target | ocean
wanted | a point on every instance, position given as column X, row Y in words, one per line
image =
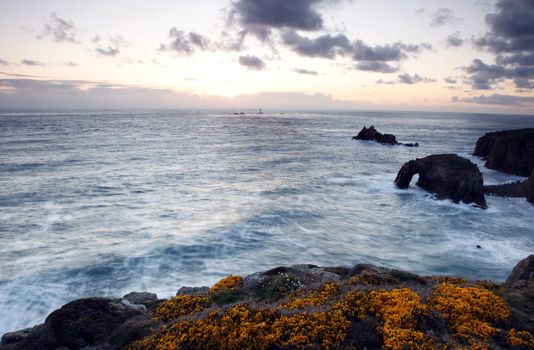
column 105, row 203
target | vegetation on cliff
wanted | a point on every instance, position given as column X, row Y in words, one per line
column 372, row 309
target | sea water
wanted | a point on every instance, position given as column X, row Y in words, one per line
column 105, row 203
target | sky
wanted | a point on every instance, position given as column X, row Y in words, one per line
column 454, row 55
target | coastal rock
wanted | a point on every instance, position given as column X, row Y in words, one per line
column 371, row 134
column 88, row 322
column 509, row 151
column 522, row 275
column 515, row 189
column 529, row 188
column 141, row 298
column 197, row 291
column 446, row 175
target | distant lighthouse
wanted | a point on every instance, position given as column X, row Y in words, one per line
column 260, row 112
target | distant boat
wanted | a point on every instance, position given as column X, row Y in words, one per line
column 260, row 112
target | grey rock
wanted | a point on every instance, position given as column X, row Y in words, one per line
column 522, row 275
column 141, row 298
column 199, row 291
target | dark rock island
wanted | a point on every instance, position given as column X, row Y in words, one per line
column 510, row 151
column 371, row 134
column 446, row 175
column 302, row 307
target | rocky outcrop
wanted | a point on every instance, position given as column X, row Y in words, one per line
column 529, row 188
column 448, row 176
column 517, row 189
column 509, row 151
column 371, row 134
column 300, row 306
column 89, row 322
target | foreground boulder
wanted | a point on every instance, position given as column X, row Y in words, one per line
column 89, row 322
column 522, row 275
column 446, row 175
column 509, row 151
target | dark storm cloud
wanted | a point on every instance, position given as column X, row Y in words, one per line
column 370, row 58
column 59, row 29
column 414, row 79
column 384, row 53
column 375, row 66
column 497, row 99
column 28, row 62
column 454, row 40
column 185, row 43
column 296, row 14
column 325, row 46
column 251, row 62
column 305, row 71
column 484, row 76
column 511, row 38
column 113, row 48
column 443, row 16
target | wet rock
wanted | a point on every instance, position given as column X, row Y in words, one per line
column 509, row 151
column 513, row 189
column 448, row 176
column 522, row 275
column 411, row 144
column 371, row 134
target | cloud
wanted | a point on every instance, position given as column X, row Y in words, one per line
column 70, row 64
column 3, row 63
column 263, row 15
column 305, row 71
column 185, row 43
column 251, row 62
column 454, row 40
column 28, row 62
column 375, row 66
column 497, row 99
column 370, row 58
column 414, row 79
column 116, row 43
column 511, row 39
column 59, row 29
column 20, row 75
column 325, row 46
column 385, row 82
column 80, row 94
column 450, row 80
column 443, row 16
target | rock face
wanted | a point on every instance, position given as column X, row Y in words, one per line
column 522, row 275
column 514, row 189
column 90, row 322
column 529, row 188
column 510, row 151
column 371, row 134
column 448, row 176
